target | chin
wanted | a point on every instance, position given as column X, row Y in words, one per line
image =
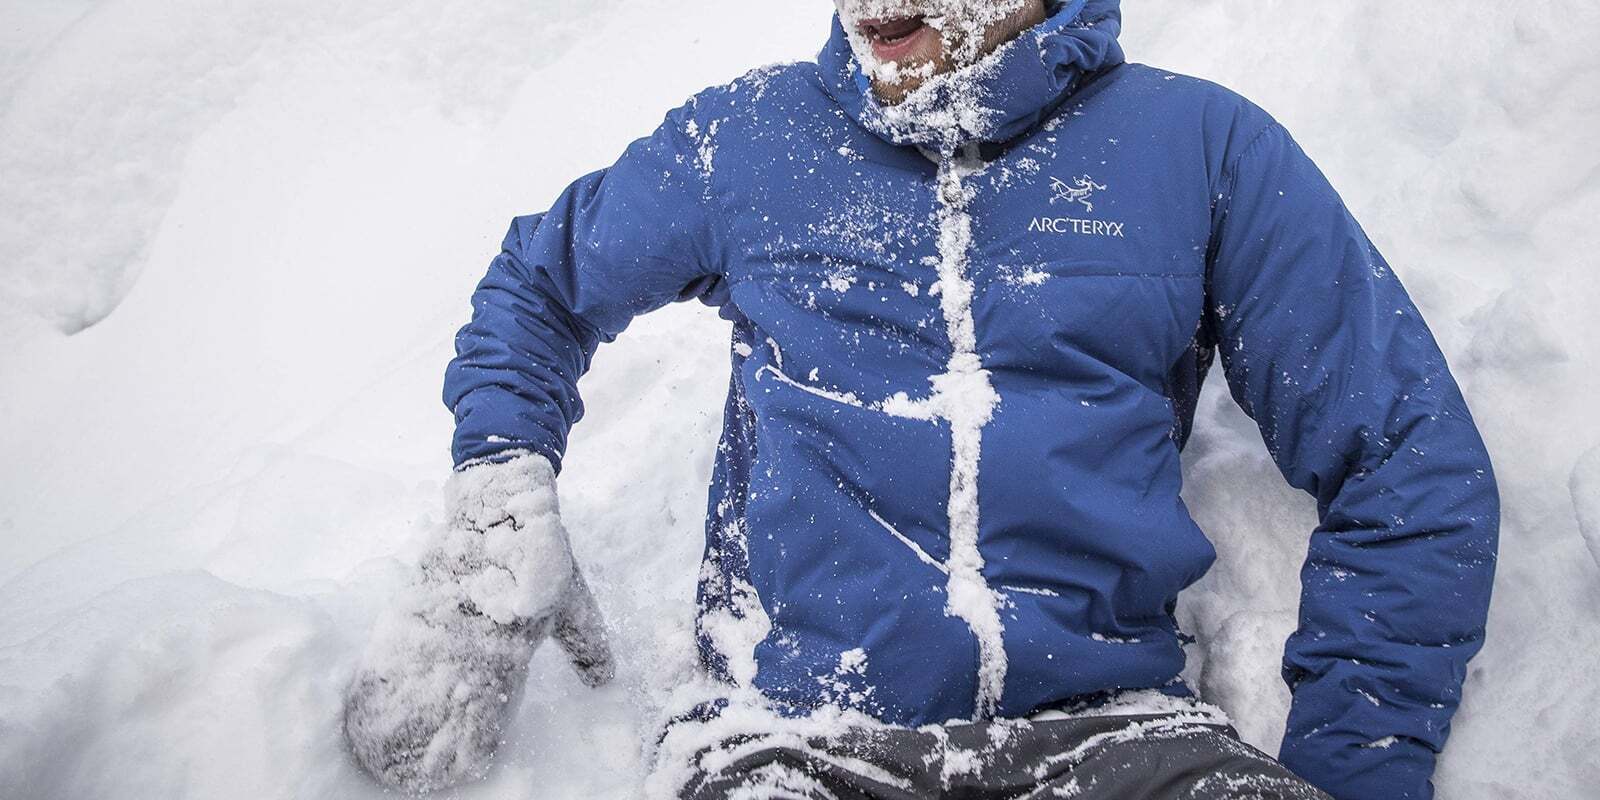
column 906, row 77
column 891, row 94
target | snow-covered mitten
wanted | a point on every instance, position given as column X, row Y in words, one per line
column 448, row 662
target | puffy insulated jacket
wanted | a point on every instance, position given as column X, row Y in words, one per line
column 966, row 352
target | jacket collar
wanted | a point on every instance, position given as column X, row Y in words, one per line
column 996, row 100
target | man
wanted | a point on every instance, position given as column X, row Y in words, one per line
column 977, row 267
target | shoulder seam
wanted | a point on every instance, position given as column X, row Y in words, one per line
column 1223, row 194
column 716, row 213
column 1223, row 191
column 1225, row 182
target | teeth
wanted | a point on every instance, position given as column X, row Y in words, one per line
column 894, row 31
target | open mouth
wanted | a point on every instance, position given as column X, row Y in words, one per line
column 893, row 39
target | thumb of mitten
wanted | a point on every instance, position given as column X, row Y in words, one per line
column 580, row 631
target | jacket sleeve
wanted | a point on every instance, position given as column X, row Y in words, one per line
column 616, row 244
column 1324, row 349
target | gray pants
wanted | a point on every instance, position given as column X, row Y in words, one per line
column 1142, row 757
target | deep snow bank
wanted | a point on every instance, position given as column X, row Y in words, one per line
column 205, row 498
column 104, row 99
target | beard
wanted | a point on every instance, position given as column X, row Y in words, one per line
column 966, row 31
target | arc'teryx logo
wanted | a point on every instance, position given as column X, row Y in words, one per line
column 1081, row 191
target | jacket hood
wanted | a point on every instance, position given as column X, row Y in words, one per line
column 995, row 100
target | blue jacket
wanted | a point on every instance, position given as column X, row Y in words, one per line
column 1127, row 226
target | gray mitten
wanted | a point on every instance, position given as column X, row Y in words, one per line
column 448, row 663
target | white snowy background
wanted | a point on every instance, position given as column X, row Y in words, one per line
column 236, row 239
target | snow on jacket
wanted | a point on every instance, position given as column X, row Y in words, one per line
column 966, row 353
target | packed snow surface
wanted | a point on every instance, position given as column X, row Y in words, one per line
column 263, row 219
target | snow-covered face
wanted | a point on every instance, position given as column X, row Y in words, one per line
column 903, row 43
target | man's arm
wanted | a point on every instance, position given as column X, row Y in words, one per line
column 616, row 244
column 1324, row 349
column 427, row 706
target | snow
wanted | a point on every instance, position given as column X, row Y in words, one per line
column 1142, row 702
column 276, row 210
column 964, row 397
column 1586, row 499
column 429, row 702
column 735, row 632
column 916, row 549
column 753, row 729
column 961, row 22
column 506, row 539
column 1174, row 725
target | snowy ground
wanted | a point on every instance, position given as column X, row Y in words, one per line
column 274, row 211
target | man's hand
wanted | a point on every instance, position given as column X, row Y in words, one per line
column 426, row 708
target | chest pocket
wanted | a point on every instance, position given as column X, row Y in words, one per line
column 1068, row 318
